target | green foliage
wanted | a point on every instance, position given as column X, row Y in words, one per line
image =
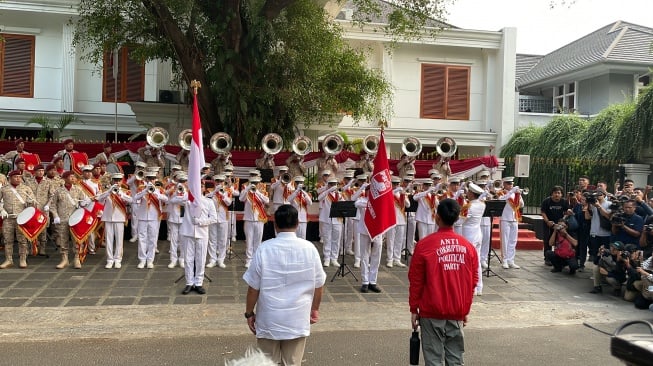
column 48, row 126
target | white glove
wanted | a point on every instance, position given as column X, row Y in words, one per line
column 461, row 191
column 4, row 214
column 365, row 185
column 300, row 186
column 46, row 208
column 56, row 220
column 85, row 202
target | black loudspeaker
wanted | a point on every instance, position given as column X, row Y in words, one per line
column 165, row 96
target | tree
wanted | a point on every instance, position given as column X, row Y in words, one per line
column 265, row 65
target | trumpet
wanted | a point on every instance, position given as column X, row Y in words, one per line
column 151, row 188
column 497, row 184
column 181, row 189
column 115, row 189
column 252, row 187
column 285, row 178
column 140, row 174
column 524, row 191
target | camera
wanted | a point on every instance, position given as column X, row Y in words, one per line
column 590, row 197
column 625, row 254
column 648, row 227
column 557, row 227
column 617, row 219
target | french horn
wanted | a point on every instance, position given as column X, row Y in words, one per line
column 333, row 144
column 157, row 137
column 221, row 143
column 446, row 147
column 186, row 139
column 272, row 143
column 302, row 145
column 371, row 144
column 411, row 146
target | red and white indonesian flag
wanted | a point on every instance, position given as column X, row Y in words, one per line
column 380, row 213
column 195, row 163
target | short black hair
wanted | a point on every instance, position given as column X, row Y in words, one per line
column 448, row 210
column 557, row 189
column 286, row 217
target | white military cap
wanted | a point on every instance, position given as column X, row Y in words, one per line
column 408, row 178
column 207, row 165
column 410, row 172
column 87, row 168
column 282, row 168
column 182, row 176
column 474, row 188
column 396, row 179
column 425, row 181
column 255, row 179
column 326, row 172
column 508, row 179
column 333, row 180
column 433, row 171
column 436, row 175
column 175, row 167
column 117, row 176
column 153, row 169
column 141, row 164
column 229, row 168
column 299, row 178
column 361, row 177
column 481, row 182
column 454, row 180
column 483, row 173
column 219, row 177
column 254, row 172
column 349, row 174
column 228, row 174
column 150, row 174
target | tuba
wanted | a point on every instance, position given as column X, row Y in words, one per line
column 272, row 143
column 333, row 144
column 186, row 139
column 446, row 147
column 371, row 144
column 411, row 146
column 157, row 137
column 302, row 145
column 221, row 143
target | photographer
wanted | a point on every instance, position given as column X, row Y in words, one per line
column 563, row 251
column 642, row 208
column 646, row 239
column 627, row 226
column 600, row 226
column 582, row 233
column 611, row 268
column 553, row 209
column 632, row 262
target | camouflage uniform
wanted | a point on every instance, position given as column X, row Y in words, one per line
column 63, row 204
column 11, row 204
column 42, row 191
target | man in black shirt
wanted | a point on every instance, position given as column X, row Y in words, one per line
column 553, row 209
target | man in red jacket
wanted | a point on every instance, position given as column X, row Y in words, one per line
column 443, row 274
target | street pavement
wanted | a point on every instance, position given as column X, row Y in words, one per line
column 526, row 315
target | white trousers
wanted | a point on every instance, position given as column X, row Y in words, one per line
column 508, row 240
column 370, row 259
column 425, row 229
column 253, row 237
column 485, row 243
column 479, row 285
column 195, row 260
column 357, row 239
column 177, row 247
column 232, row 219
column 134, row 221
column 114, row 232
column 148, row 235
column 218, row 235
column 395, row 241
column 332, row 233
column 301, row 230
column 349, row 233
column 411, row 227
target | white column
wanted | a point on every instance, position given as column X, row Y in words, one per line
column 638, row 173
column 68, row 69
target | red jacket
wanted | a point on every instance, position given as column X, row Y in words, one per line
column 443, row 274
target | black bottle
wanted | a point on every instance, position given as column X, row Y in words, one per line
column 414, row 348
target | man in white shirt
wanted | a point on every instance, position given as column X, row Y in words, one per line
column 149, row 208
column 472, row 214
column 114, row 216
column 509, row 223
column 300, row 200
column 177, row 197
column 254, row 216
column 219, row 232
column 396, row 236
column 196, row 236
column 285, row 285
column 427, row 202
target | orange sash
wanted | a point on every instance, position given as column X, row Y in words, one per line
column 87, row 189
column 514, row 203
column 430, row 198
column 154, row 200
column 400, row 202
column 257, row 206
column 118, row 204
column 464, row 211
column 301, row 200
column 221, row 202
column 333, row 198
column 286, row 192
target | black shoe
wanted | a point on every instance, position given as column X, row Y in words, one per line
column 548, row 263
column 597, row 290
column 572, row 271
column 187, row 289
column 374, row 288
column 554, row 269
column 364, row 289
column 200, row 290
column 581, row 269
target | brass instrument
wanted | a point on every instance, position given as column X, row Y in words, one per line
column 181, row 189
column 272, row 143
column 302, row 145
column 497, row 184
column 186, row 139
column 157, row 137
column 525, row 191
column 285, row 178
column 221, row 143
column 446, row 147
column 333, row 144
column 371, row 144
column 411, row 146
column 139, row 174
column 115, row 189
column 151, row 188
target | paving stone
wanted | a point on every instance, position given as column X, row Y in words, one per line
column 82, row 301
column 119, row 301
column 47, row 302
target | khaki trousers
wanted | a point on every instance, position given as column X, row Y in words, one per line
column 288, row 352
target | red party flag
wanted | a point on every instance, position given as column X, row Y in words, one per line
column 380, row 213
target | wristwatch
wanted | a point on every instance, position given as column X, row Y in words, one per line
column 249, row 315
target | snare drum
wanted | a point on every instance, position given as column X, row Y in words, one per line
column 75, row 161
column 31, row 222
column 31, row 161
column 82, row 222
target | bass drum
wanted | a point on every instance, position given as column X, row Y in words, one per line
column 75, row 161
column 82, row 222
column 31, row 222
column 31, row 161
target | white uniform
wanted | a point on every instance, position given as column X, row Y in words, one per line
column 425, row 214
column 219, row 231
column 509, row 226
column 370, row 249
column 471, row 230
column 148, row 210
column 254, row 218
column 396, row 236
column 280, row 194
column 176, row 211
column 300, row 199
column 331, row 226
column 114, row 217
column 196, row 233
column 91, row 189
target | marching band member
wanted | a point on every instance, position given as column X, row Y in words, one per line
column 406, row 164
column 176, row 208
column 149, row 201
column 281, row 189
column 69, row 147
column 370, row 249
column 454, row 191
column 232, row 185
column 472, row 214
column 219, row 231
column 411, row 225
column 396, row 236
column 300, row 199
column 52, row 176
column 104, row 177
column 331, row 226
column 196, row 236
column 359, row 190
column 486, row 225
column 365, row 163
column 58, row 163
column 221, row 162
column 66, row 199
column 182, row 158
column 254, row 215
column 91, row 189
column 427, row 203
column 134, row 184
column 509, row 221
column 20, row 166
column 295, row 163
column 321, row 186
column 114, row 216
column 14, row 198
column 152, row 156
column 11, row 156
column 348, row 191
column 327, row 163
column 105, row 155
column 43, row 188
column 205, row 172
column 265, row 161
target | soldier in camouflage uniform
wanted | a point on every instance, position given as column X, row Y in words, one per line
column 14, row 198
column 64, row 201
column 43, row 189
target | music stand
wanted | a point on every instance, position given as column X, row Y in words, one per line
column 232, row 216
column 493, row 208
column 409, row 210
column 343, row 209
